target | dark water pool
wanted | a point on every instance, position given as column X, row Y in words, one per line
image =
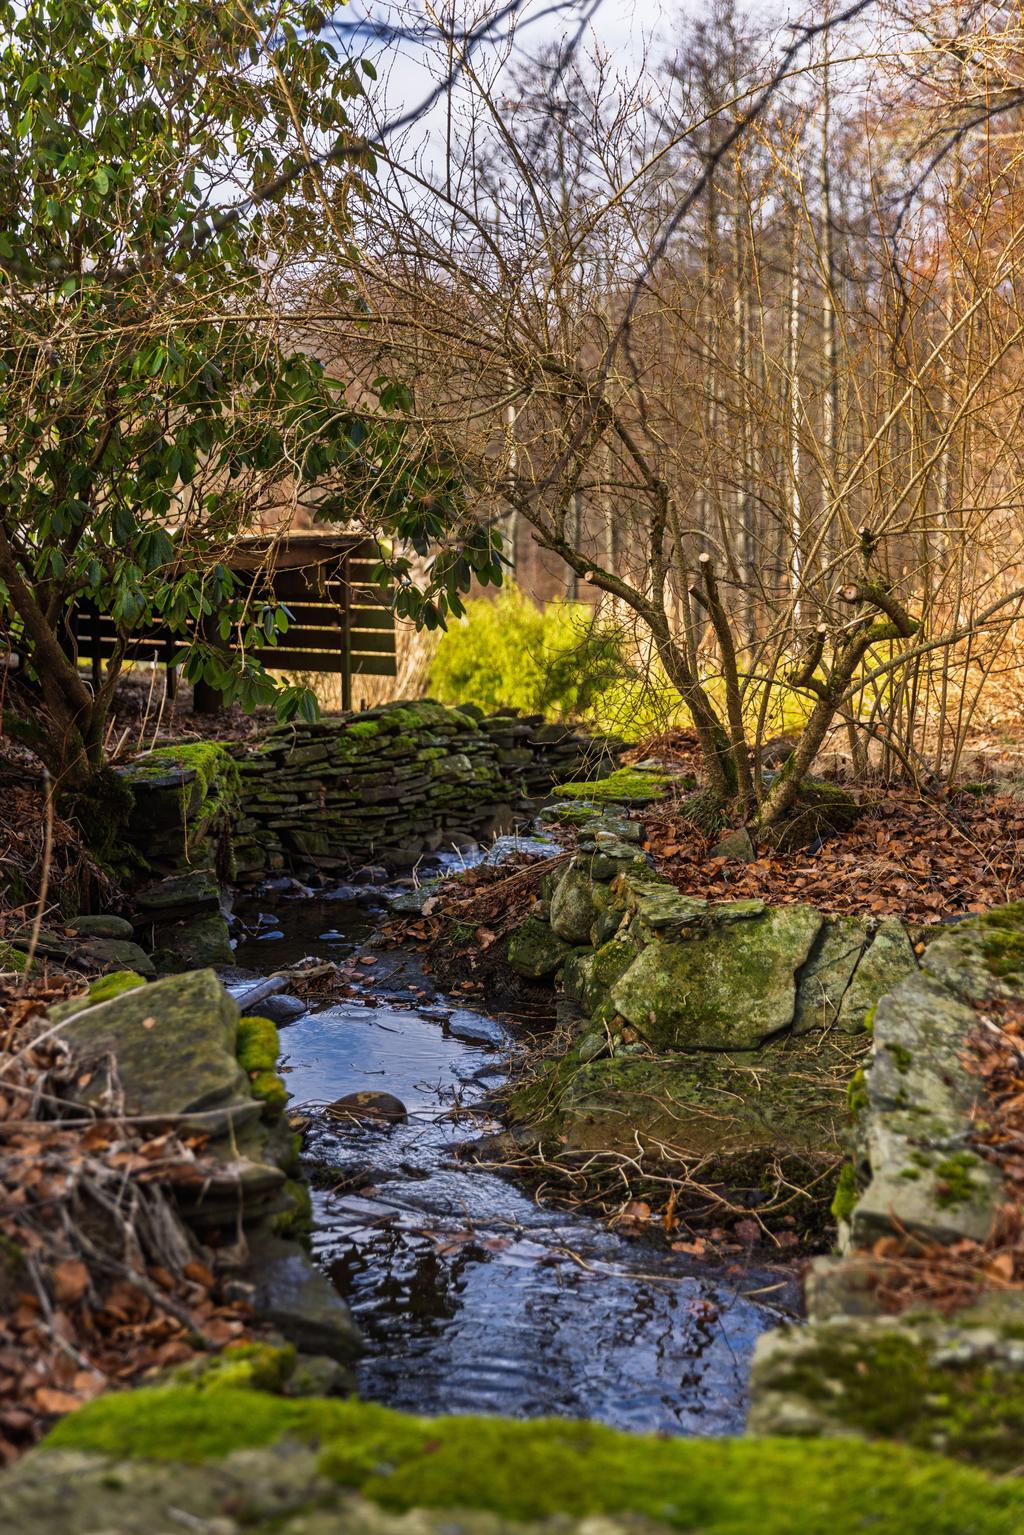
column 472, row 1296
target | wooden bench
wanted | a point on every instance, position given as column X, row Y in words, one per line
column 339, row 622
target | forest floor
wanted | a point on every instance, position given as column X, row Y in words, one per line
column 75, row 1320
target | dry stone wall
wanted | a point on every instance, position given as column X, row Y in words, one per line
column 396, row 782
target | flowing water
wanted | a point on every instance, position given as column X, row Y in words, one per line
column 472, row 1296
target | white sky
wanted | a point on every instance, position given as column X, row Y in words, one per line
column 625, row 28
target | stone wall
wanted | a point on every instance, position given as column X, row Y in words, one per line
column 945, row 1372
column 396, row 782
column 388, row 783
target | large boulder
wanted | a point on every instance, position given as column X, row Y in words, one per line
column 729, row 987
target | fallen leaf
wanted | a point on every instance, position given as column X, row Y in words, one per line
column 70, row 1281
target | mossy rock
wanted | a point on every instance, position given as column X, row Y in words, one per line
column 932, row 1386
column 589, row 975
column 849, row 969
column 982, row 958
column 737, row 1117
column 572, row 904
column 731, row 987
column 173, row 1042
column 534, row 951
column 503, row 1470
column 193, row 944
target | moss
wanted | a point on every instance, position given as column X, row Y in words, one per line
column 363, row 730
column 533, row 1470
column 258, row 1048
column 622, row 786
column 245, row 1366
column 258, row 1044
column 215, row 768
column 954, row 1185
column 857, row 1094
column 204, row 778
column 844, row 1200
column 12, row 959
column 103, row 989
column 869, row 1019
column 107, row 986
column 1003, row 940
column 887, row 1385
column 570, row 815
column 902, row 1057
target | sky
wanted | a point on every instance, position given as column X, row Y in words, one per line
column 622, row 27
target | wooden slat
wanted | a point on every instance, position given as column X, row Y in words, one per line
column 363, row 640
column 303, row 636
column 374, row 666
column 324, row 661
column 334, row 639
column 372, row 618
column 326, row 615
column 292, row 586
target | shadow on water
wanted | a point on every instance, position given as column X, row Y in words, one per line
column 472, row 1296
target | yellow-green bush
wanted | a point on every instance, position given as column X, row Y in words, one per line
column 511, row 654
column 564, row 662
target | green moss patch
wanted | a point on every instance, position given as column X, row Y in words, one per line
column 905, row 1385
column 103, row 989
column 258, row 1048
column 626, row 786
column 537, row 1469
column 1003, row 940
column 844, row 1200
column 12, row 959
column 214, row 767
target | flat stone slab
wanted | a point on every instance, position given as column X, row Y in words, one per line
column 179, row 893
column 924, row 1176
column 173, row 1043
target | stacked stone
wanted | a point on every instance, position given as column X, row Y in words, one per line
column 393, row 782
column 542, row 754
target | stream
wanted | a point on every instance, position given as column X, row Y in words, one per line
column 472, row 1296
